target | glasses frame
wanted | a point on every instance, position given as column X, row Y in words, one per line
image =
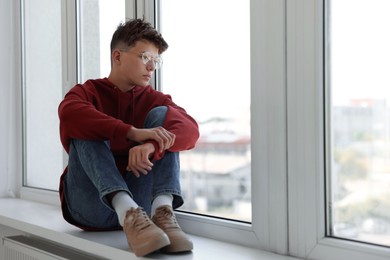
column 147, row 57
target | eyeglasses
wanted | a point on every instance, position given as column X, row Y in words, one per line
column 148, row 57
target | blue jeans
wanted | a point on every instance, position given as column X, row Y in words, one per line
column 92, row 175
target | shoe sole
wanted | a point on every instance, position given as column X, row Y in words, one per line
column 178, row 247
column 151, row 246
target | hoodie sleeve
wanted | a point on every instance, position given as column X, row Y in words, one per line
column 182, row 125
column 80, row 118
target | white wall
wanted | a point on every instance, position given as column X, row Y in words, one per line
column 10, row 99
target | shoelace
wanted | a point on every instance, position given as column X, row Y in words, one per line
column 141, row 221
column 166, row 218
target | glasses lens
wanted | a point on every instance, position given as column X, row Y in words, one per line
column 147, row 57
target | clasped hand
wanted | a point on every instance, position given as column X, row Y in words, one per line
column 140, row 155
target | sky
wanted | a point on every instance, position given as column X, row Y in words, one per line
column 359, row 52
column 207, row 66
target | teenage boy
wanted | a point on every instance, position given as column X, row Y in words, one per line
column 123, row 139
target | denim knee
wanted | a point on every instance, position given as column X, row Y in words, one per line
column 156, row 117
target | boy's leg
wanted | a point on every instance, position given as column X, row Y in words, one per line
column 164, row 182
column 164, row 178
column 92, row 175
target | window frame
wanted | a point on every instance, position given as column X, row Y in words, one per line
column 306, row 75
column 69, row 72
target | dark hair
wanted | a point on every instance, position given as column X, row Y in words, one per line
column 128, row 33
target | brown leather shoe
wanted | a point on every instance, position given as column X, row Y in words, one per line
column 166, row 220
column 143, row 236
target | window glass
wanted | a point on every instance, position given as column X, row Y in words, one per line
column 42, row 92
column 359, row 63
column 97, row 21
column 206, row 70
column 42, row 76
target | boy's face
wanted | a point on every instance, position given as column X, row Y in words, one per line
column 131, row 65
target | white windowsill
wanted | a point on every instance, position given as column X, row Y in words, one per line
column 46, row 221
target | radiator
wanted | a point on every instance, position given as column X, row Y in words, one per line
column 33, row 248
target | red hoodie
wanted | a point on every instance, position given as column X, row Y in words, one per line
column 98, row 110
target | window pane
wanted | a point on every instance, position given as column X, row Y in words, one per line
column 207, row 71
column 360, row 119
column 97, row 21
column 42, row 92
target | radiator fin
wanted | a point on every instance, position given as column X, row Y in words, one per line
column 33, row 248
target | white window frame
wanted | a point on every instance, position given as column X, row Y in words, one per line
column 69, row 75
column 306, row 145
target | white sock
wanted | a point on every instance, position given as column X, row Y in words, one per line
column 122, row 202
column 161, row 200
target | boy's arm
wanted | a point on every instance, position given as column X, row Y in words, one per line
column 183, row 126
column 80, row 119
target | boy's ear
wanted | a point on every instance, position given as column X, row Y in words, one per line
column 116, row 55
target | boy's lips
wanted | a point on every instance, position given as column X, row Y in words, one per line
column 148, row 77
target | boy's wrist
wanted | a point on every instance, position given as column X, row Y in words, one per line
column 131, row 133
